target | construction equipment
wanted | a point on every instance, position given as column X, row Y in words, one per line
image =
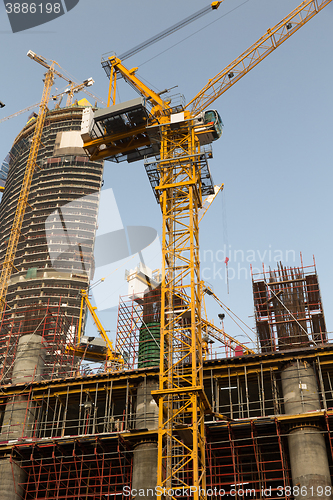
column 152, row 127
column 172, row 29
column 8, row 262
column 94, row 348
column 219, row 334
column 206, row 203
column 73, row 89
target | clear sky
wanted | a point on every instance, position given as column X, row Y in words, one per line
column 275, row 155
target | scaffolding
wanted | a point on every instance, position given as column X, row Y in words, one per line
column 68, row 421
column 82, row 442
column 138, row 328
column 128, row 330
column 138, row 331
column 55, row 329
column 288, row 308
column 81, row 469
column 244, row 461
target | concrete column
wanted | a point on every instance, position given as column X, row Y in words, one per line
column 19, row 415
column 307, row 449
column 146, row 407
column 29, row 360
column 28, row 366
column 10, row 476
column 144, row 475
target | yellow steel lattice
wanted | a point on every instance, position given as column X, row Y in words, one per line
column 181, row 447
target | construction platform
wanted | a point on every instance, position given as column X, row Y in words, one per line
column 84, row 429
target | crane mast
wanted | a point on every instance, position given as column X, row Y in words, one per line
column 181, row 398
column 179, row 176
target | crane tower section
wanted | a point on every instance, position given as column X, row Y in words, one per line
column 182, row 401
column 179, row 174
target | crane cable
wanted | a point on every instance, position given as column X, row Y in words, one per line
column 192, row 34
column 229, row 312
column 169, row 31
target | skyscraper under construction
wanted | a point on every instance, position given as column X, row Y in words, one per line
column 55, row 253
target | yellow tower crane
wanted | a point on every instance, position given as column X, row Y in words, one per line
column 180, row 176
column 95, row 349
column 73, row 89
column 8, row 263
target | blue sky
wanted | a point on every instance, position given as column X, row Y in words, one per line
column 275, row 154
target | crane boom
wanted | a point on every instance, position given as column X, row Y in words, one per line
column 73, row 89
column 20, row 112
column 222, row 337
column 111, row 71
column 255, row 54
column 114, row 360
column 115, row 66
column 43, row 62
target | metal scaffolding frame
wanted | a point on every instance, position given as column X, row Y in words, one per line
column 53, row 326
column 249, row 456
column 82, row 469
column 288, row 308
column 72, row 426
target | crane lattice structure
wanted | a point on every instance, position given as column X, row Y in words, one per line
column 179, row 177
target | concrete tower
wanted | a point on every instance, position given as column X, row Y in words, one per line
column 54, row 257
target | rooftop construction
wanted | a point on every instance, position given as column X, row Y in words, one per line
column 174, row 406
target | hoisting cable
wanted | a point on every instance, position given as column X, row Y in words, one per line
column 170, row 30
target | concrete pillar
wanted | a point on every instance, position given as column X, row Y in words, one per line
column 307, row 449
column 146, row 408
column 19, row 415
column 29, row 360
column 144, row 475
column 10, row 477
